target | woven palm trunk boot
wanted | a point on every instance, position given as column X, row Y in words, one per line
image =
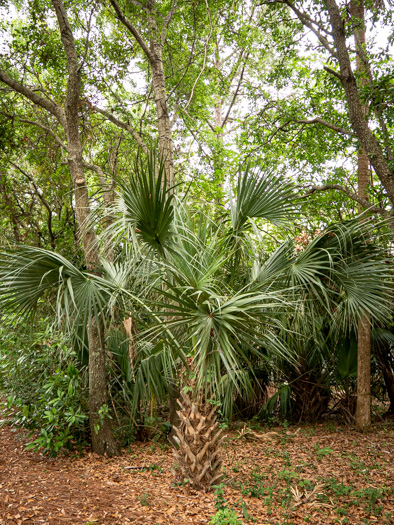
column 197, row 458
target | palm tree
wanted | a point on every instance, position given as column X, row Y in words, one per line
column 225, row 313
column 210, row 303
column 330, row 277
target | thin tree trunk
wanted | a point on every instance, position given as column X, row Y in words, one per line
column 102, row 441
column 162, row 109
column 128, row 325
column 218, row 163
column 154, row 53
column 388, row 377
column 11, row 209
column 363, row 407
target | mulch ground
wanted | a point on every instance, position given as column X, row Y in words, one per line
column 321, row 474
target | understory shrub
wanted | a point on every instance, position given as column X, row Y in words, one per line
column 45, row 386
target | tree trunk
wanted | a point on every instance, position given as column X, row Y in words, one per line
column 364, row 134
column 385, row 360
column 363, row 407
column 154, row 53
column 103, row 441
column 102, row 438
column 162, row 109
column 388, row 377
column 69, row 120
column 198, row 460
column 11, row 208
column 218, row 164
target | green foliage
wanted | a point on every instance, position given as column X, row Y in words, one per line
column 224, row 514
column 46, row 387
column 235, row 312
column 102, row 413
column 281, row 398
column 261, row 195
column 220, row 500
column 147, row 202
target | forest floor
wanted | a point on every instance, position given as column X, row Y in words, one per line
column 318, row 474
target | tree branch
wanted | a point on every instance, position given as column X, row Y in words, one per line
column 85, row 54
column 205, row 56
column 39, row 125
column 364, row 202
column 308, row 22
column 126, row 22
column 364, row 133
column 333, row 72
column 42, row 199
column 44, row 103
column 235, row 93
column 167, row 21
column 120, row 124
column 324, row 123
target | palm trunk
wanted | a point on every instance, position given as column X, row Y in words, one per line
column 198, row 460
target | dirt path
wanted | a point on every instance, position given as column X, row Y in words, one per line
column 270, row 480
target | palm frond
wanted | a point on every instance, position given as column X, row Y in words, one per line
column 261, row 195
column 147, row 204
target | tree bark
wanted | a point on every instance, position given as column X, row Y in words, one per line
column 363, row 407
column 218, row 164
column 103, row 441
column 339, row 51
column 162, row 109
column 154, row 54
column 388, row 376
column 364, row 134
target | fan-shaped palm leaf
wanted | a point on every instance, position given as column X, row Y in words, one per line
column 261, row 195
column 147, row 204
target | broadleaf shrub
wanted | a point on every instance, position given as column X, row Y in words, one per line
column 45, row 385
